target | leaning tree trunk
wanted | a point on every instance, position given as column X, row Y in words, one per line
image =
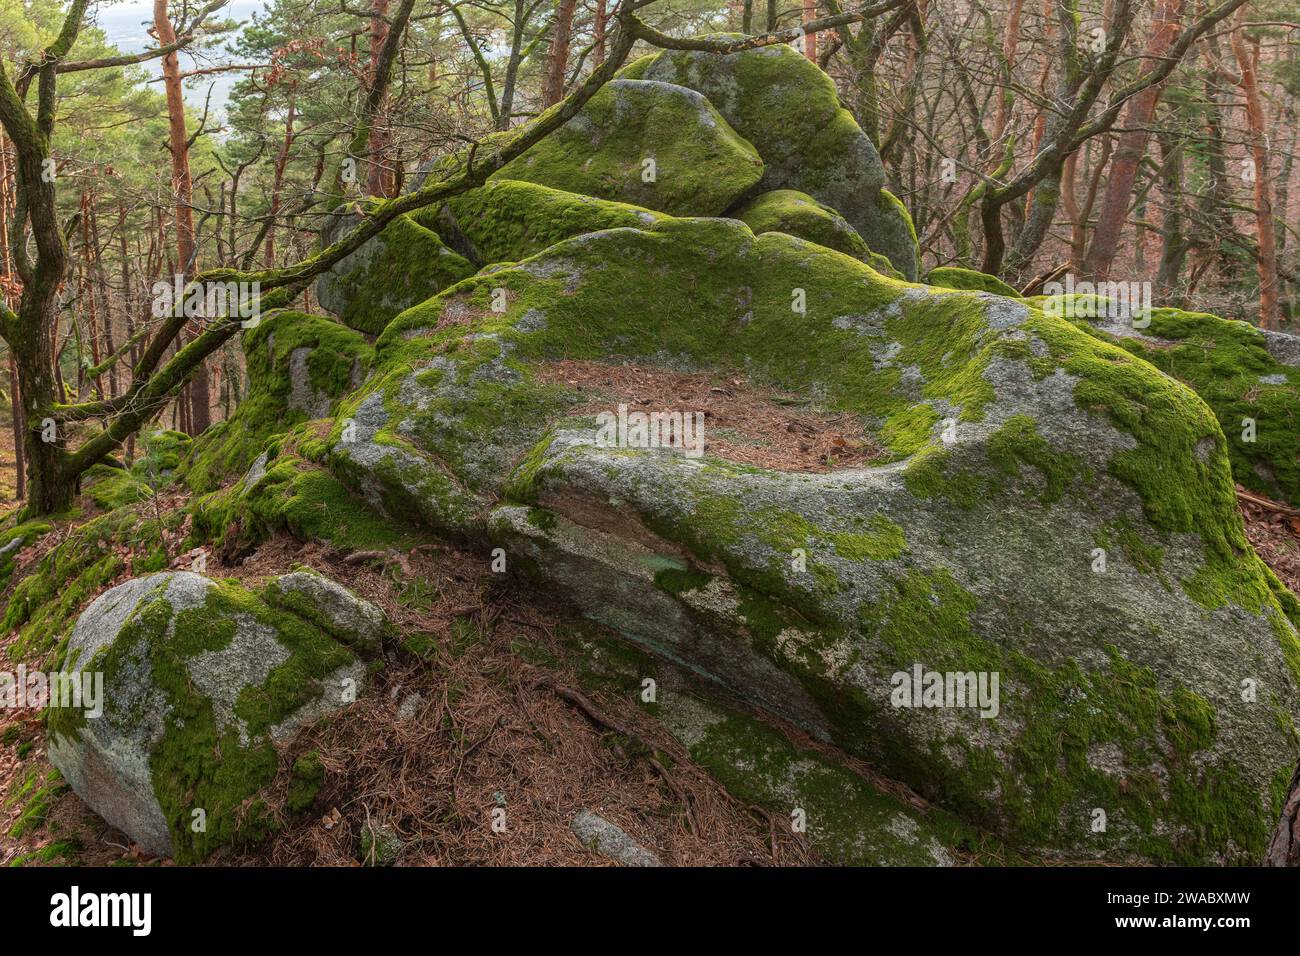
column 1284, row 848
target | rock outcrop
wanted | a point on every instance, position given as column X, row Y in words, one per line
column 404, row 264
column 684, row 134
column 1047, row 508
column 1250, row 378
column 650, row 144
column 1029, row 597
column 298, row 365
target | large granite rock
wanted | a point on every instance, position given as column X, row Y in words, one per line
column 1048, row 509
column 400, row 267
column 1249, row 378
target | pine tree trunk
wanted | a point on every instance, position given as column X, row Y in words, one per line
column 557, row 60
column 1247, row 56
column 183, row 194
column 1132, row 145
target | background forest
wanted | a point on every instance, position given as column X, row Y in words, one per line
column 1006, row 129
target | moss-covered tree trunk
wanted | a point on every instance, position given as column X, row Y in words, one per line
column 51, row 484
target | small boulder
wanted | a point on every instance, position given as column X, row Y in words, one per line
column 201, row 680
column 610, row 841
column 955, row 277
column 798, row 214
column 380, row 846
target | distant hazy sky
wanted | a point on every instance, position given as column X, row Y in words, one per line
column 126, row 23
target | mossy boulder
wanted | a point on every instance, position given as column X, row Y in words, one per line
column 1250, row 378
column 1016, row 450
column 403, row 265
column 651, row 144
column 955, row 277
column 778, row 100
column 507, row 220
column 298, row 365
column 798, row 214
column 202, row 679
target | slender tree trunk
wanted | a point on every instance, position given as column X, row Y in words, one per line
column 1246, row 53
column 15, row 401
column 1132, row 145
column 277, row 185
column 20, row 464
column 557, row 60
column 183, row 192
column 1173, row 244
column 1010, row 44
column 810, row 39
column 598, row 31
column 379, row 179
column 512, row 68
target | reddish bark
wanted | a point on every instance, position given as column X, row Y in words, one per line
column 1132, row 144
column 1246, row 53
column 810, row 39
column 183, row 195
column 598, row 33
column 557, row 59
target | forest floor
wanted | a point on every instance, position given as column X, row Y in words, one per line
column 496, row 707
column 493, row 701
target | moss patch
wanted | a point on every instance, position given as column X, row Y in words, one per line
column 955, row 277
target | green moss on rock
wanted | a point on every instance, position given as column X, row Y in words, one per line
column 403, row 265
column 650, row 144
column 779, row 101
column 215, row 749
column 955, row 277
column 299, row 365
column 506, row 221
column 307, row 777
column 1229, row 366
column 798, row 214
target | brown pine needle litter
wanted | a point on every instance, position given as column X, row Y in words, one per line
column 441, row 738
column 742, row 423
